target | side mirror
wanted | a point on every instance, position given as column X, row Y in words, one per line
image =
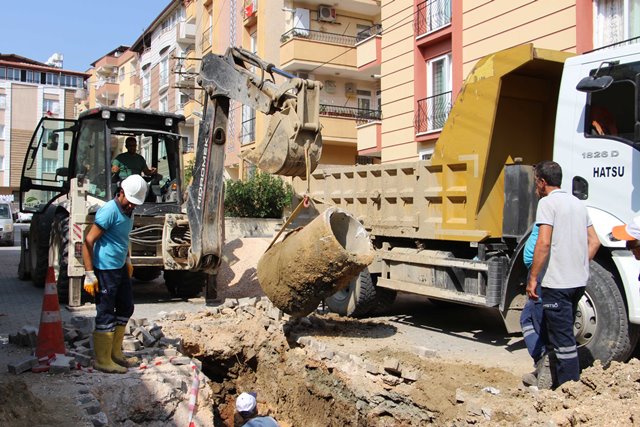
column 594, row 84
column 64, row 172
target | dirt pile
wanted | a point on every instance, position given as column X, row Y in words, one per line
column 304, row 375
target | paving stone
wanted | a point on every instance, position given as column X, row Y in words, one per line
column 130, row 344
column 144, row 336
column 181, row 360
column 170, row 352
column 410, row 374
column 22, row 365
column 92, row 407
column 156, row 331
column 70, row 334
column 82, row 359
column 100, row 420
column 275, row 313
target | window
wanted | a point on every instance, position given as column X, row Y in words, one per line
column 49, row 165
column 146, row 86
column 121, row 100
column 13, row 74
column 163, row 104
column 121, row 74
column 611, row 113
column 52, row 79
column 164, row 72
column 3, row 101
column 248, row 132
column 615, row 21
column 438, row 91
column 364, row 99
column 1, row 163
column 425, row 154
column 3, row 73
column 50, row 106
column 33, row 76
column 1, row 131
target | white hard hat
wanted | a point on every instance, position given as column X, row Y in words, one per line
column 135, row 189
column 246, row 402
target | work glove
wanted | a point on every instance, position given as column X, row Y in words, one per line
column 90, row 283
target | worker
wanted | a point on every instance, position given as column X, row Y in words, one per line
column 603, row 121
column 531, row 319
column 108, row 272
column 129, row 163
column 566, row 243
column 631, row 234
column 247, row 407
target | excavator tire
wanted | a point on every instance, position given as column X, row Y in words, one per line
column 39, row 232
column 146, row 274
column 60, row 238
column 184, row 284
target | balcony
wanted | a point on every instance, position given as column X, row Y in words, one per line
column 191, row 11
column 107, row 66
column 250, row 12
column 339, row 123
column 300, row 46
column 369, row 49
column 188, row 109
column 432, row 113
column 107, row 91
column 370, row 137
column 185, row 33
column 432, row 15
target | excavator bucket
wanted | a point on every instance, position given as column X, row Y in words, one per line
column 292, row 144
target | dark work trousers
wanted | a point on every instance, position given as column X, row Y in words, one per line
column 559, row 308
column 531, row 321
column 114, row 300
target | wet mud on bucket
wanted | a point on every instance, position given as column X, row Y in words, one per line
column 314, row 262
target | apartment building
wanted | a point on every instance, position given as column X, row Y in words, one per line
column 30, row 90
column 428, row 47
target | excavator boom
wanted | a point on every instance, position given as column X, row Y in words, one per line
column 291, row 146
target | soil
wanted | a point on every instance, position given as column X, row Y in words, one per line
column 320, row 370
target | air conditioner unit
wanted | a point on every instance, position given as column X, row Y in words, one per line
column 326, row 13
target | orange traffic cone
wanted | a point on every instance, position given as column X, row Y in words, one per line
column 50, row 336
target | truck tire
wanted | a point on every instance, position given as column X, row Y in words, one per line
column 146, row 274
column 357, row 299
column 39, row 231
column 384, row 300
column 602, row 329
column 184, row 284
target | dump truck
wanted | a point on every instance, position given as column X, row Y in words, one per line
column 179, row 230
column 452, row 228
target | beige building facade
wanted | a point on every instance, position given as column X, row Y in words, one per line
column 30, row 90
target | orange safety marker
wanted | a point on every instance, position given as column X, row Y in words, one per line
column 50, row 335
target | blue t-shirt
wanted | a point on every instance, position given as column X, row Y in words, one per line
column 261, row 422
column 530, row 246
column 111, row 249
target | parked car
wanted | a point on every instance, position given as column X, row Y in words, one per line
column 6, row 224
column 24, row 217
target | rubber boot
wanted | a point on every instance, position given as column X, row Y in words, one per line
column 116, row 350
column 102, row 343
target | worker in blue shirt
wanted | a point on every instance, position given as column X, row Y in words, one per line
column 108, row 273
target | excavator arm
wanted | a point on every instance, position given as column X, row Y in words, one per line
column 291, row 146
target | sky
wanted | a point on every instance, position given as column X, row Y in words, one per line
column 82, row 30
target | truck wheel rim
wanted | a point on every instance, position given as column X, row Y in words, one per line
column 586, row 321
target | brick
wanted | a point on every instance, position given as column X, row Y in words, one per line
column 22, row 365
column 70, row 334
column 170, row 352
column 86, row 343
column 82, row 359
column 144, row 336
column 156, row 332
column 100, row 420
column 248, row 301
column 130, row 344
column 176, row 342
column 92, row 407
column 181, row 360
column 410, row 374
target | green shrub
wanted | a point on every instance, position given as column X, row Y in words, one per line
column 262, row 196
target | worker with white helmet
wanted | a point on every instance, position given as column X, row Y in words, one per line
column 108, row 273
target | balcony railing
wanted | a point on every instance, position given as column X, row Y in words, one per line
column 371, row 31
column 432, row 112
column 321, row 36
column 248, row 132
column 360, row 114
column 432, row 15
column 206, row 39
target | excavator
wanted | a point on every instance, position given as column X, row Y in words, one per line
column 179, row 230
